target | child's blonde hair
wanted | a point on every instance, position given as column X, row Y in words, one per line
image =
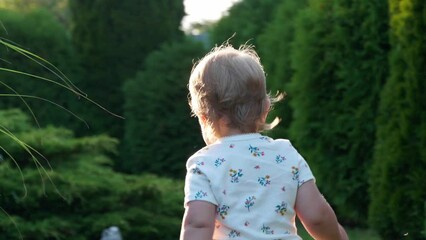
column 231, row 83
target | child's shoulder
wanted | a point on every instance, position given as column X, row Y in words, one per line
column 279, row 141
column 210, row 153
column 203, row 154
column 207, row 150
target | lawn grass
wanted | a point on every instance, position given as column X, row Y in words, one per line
column 354, row 234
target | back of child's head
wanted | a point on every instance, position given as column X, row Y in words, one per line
column 230, row 83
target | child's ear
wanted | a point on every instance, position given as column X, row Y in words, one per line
column 202, row 119
column 224, row 120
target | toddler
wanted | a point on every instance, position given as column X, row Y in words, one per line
column 244, row 185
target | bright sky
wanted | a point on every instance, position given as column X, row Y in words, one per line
column 202, row 10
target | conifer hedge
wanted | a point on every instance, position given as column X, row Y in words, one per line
column 340, row 63
column 245, row 22
column 398, row 191
column 113, row 38
column 275, row 49
column 160, row 134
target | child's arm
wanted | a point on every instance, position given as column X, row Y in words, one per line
column 198, row 221
column 316, row 214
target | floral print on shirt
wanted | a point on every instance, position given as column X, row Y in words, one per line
column 279, row 159
column 219, row 162
column 266, row 139
column 267, row 230
column 200, row 194
column 281, row 208
column 249, row 202
column 295, row 172
column 196, row 170
column 235, row 175
column 225, row 173
column 234, row 234
column 264, row 181
column 222, row 211
column 255, row 151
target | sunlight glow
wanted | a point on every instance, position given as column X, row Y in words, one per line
column 204, row 10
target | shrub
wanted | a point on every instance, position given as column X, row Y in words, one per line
column 340, row 63
column 73, row 193
column 397, row 176
column 160, row 134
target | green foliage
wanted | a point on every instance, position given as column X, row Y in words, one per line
column 353, row 233
column 39, row 30
column 339, row 59
column 397, row 183
column 82, row 195
column 160, row 134
column 275, row 46
column 247, row 20
column 112, row 39
column 14, row 120
column 59, row 8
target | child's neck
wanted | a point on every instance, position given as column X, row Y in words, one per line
column 222, row 130
column 231, row 132
column 225, row 131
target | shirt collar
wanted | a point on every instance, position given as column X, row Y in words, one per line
column 239, row 137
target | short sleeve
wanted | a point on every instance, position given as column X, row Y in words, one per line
column 305, row 173
column 197, row 184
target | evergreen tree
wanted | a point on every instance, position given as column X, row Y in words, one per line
column 72, row 192
column 37, row 31
column 340, row 63
column 246, row 19
column 59, row 8
column 112, row 39
column 398, row 191
column 275, row 46
column 160, row 134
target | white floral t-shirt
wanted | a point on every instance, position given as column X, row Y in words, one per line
column 253, row 181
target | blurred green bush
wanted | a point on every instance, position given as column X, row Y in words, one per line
column 82, row 195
